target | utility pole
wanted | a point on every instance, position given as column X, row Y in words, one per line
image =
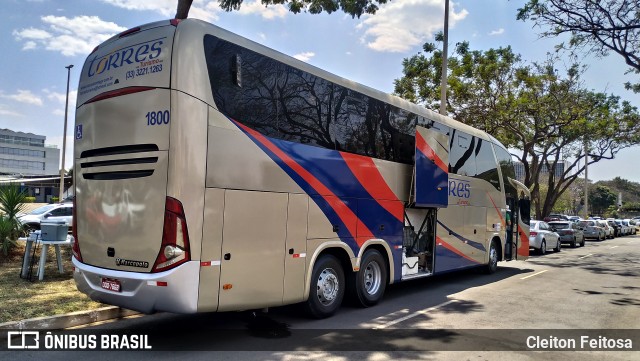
column 586, row 182
column 64, row 134
column 445, row 50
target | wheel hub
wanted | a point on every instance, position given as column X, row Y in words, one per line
column 328, row 286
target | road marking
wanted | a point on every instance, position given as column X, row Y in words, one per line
column 415, row 314
column 535, row 274
column 614, row 247
column 590, row 254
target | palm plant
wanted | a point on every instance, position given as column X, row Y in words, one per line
column 12, row 200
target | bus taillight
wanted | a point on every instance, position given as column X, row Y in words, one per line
column 74, row 231
column 175, row 239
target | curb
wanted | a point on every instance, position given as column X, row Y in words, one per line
column 69, row 320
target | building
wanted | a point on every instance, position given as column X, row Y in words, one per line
column 559, row 170
column 26, row 156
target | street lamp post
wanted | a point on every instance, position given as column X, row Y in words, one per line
column 64, row 134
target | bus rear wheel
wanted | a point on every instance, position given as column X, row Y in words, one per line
column 326, row 287
column 367, row 286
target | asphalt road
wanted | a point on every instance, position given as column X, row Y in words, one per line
column 463, row 315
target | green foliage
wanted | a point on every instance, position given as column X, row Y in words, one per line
column 29, row 199
column 355, row 8
column 547, row 115
column 7, row 242
column 595, row 27
column 54, row 199
column 601, row 198
column 11, row 203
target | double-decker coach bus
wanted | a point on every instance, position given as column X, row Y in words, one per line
column 215, row 174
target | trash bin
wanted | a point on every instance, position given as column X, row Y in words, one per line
column 53, row 231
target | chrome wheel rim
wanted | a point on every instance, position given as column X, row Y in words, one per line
column 372, row 276
column 493, row 257
column 328, row 286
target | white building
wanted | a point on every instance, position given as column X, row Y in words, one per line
column 26, row 154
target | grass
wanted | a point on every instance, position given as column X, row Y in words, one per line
column 55, row 295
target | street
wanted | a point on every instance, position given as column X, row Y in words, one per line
column 592, row 288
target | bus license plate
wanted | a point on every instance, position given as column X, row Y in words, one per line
column 111, row 285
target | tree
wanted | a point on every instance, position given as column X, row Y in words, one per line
column 351, row 7
column 598, row 26
column 601, row 198
column 546, row 116
column 11, row 203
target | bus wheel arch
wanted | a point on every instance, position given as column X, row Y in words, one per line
column 366, row 287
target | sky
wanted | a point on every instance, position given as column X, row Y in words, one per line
column 39, row 38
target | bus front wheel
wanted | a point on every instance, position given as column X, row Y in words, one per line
column 492, row 265
column 326, row 287
column 367, row 286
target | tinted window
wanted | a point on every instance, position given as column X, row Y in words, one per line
column 461, row 157
column 506, row 167
column 287, row 103
column 486, row 166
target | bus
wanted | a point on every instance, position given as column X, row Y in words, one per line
column 215, row 174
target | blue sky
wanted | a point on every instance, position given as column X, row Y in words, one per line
column 40, row 37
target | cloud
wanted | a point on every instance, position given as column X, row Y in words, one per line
column 9, row 113
column 401, row 25
column 69, row 36
column 60, row 98
column 24, row 96
column 207, row 10
column 497, row 32
column 305, row 56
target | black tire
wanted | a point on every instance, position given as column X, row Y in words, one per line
column 492, row 263
column 367, row 286
column 573, row 243
column 558, row 246
column 326, row 289
column 582, row 243
column 543, row 247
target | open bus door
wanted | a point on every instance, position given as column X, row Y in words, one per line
column 431, row 183
column 517, row 230
column 430, row 191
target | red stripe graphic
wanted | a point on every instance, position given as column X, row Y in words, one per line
column 367, row 173
column 428, row 152
column 504, row 223
column 454, row 250
column 523, row 250
column 350, row 220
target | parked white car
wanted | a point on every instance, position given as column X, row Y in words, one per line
column 542, row 236
column 631, row 224
column 49, row 212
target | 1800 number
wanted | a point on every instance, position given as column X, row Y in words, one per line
column 158, row 118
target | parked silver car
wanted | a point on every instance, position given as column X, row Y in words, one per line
column 541, row 236
column 570, row 232
column 592, row 230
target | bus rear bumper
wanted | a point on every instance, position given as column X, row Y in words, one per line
column 175, row 290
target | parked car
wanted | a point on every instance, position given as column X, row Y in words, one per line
column 574, row 218
column 541, row 236
column 615, row 226
column 569, row 232
column 624, row 228
column 609, row 232
column 51, row 212
column 635, row 223
column 632, row 226
column 555, row 217
column 592, row 230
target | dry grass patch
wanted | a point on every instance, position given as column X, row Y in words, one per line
column 55, row 295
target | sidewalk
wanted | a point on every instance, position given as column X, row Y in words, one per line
column 73, row 319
